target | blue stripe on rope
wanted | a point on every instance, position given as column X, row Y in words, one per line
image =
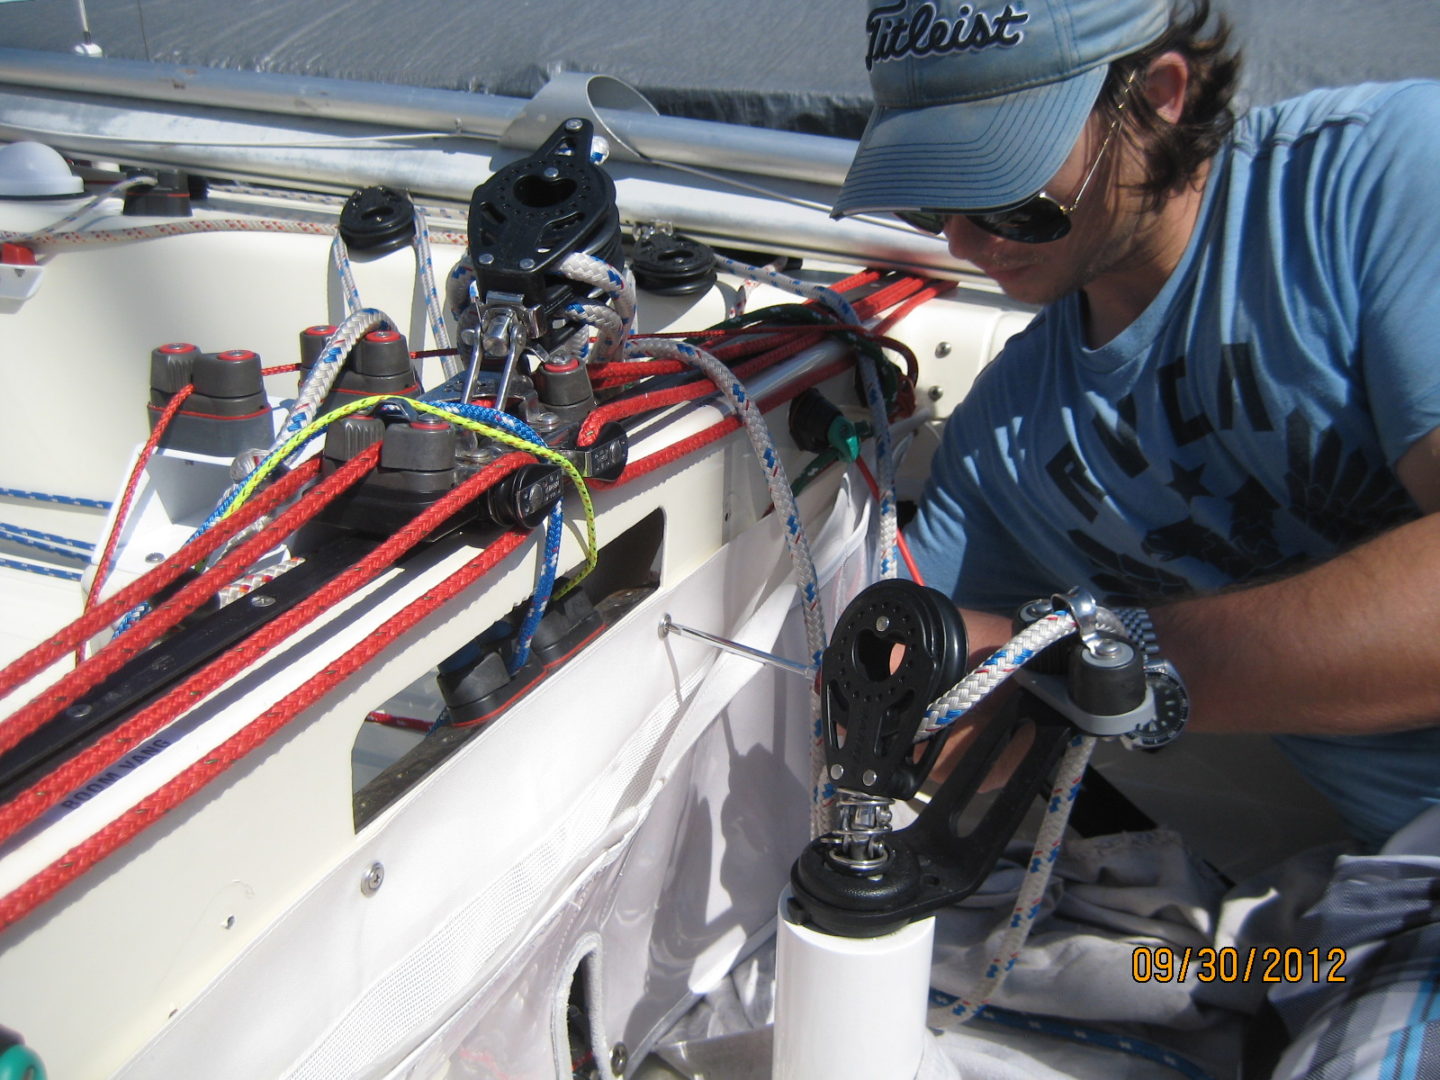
column 36, row 534
column 43, row 571
column 64, row 500
column 1078, row 1033
column 40, row 545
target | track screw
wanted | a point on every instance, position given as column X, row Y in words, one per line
column 373, row 879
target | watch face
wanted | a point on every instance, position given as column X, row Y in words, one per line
column 1172, row 709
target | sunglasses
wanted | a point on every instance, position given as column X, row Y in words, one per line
column 1040, row 219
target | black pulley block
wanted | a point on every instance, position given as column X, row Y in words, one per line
column 897, row 647
column 669, row 264
column 377, row 219
column 527, row 218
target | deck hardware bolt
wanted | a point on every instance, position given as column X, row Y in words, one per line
column 837, row 771
column 527, row 264
column 619, row 1058
column 935, row 393
column 869, row 778
column 262, row 601
column 485, row 258
column 155, row 557
column 573, row 124
column 942, row 348
column 551, row 173
column 882, row 624
column 78, row 712
column 373, row 879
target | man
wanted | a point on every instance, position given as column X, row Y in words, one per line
column 1232, row 380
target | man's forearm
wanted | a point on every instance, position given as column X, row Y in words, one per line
column 1349, row 646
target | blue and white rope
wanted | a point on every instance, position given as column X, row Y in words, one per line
column 327, row 369
column 618, row 286
column 37, row 568
column 609, row 326
column 1028, row 902
column 1078, row 1033
column 793, row 530
column 30, row 538
column 874, row 398
column 554, row 529
column 349, row 291
column 36, row 534
column 995, row 669
column 61, row 500
column 434, row 307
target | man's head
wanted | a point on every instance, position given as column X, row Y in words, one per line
column 982, row 107
column 979, row 103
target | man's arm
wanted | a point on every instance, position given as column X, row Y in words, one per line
column 1346, row 647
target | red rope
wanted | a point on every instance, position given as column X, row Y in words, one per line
column 122, row 830
column 127, row 497
column 928, row 293
column 129, row 645
column 702, row 387
column 152, row 581
column 32, row 802
column 719, row 429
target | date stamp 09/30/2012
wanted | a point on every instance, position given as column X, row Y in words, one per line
column 1266, row 964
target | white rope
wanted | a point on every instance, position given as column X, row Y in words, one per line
column 47, row 232
column 792, row 526
column 999, row 666
column 1043, row 858
column 327, row 369
column 874, row 397
column 434, row 309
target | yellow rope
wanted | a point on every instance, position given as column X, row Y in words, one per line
column 540, row 450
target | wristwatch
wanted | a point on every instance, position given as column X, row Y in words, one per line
column 1172, row 700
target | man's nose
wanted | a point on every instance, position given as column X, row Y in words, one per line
column 966, row 240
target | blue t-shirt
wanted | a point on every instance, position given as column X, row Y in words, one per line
column 1247, row 423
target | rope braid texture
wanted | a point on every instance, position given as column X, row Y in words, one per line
column 120, row 831
column 248, row 505
column 612, row 323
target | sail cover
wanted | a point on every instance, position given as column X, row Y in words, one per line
column 795, row 65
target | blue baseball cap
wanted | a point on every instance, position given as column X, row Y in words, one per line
column 979, row 102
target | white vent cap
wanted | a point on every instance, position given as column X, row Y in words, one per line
column 31, row 168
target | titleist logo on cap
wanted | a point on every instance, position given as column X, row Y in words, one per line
column 894, row 36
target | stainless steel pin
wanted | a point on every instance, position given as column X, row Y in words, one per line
column 669, row 626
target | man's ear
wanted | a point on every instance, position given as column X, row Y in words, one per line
column 1166, row 81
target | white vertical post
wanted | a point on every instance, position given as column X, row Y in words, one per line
column 850, row 1008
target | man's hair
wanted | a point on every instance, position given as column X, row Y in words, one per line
column 1175, row 152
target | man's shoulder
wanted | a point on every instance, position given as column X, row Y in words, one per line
column 1363, row 106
